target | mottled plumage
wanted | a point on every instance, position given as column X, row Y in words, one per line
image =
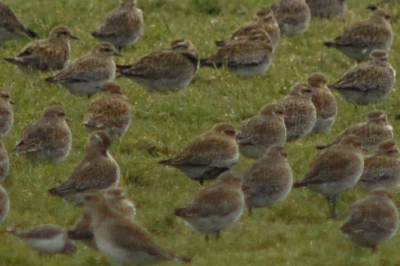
column 326, row 8
column 6, row 113
column 4, row 163
column 4, row 204
column 293, row 16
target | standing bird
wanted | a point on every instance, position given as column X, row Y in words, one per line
column 123, row 26
column 248, row 55
column 325, row 103
column 120, row 240
column 4, row 204
column 269, row 180
column 334, row 170
column 262, row 131
column 371, row 133
column 368, row 82
column 299, row 112
column 372, row 220
column 164, row 70
column 47, row 54
column 88, row 74
column 6, row 113
column 208, row 155
column 382, row 170
column 48, row 139
column 111, row 112
column 10, row 27
column 361, row 38
column 293, row 16
column 216, row 207
column 326, row 8
column 98, row 171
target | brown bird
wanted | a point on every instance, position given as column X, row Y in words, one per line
column 325, row 103
column 4, row 204
column 299, row 112
column 372, row 220
column 262, row 131
column 110, row 112
column 208, row 155
column 293, row 16
column 216, row 207
column 362, row 37
column 371, row 133
column 98, row 171
column 4, row 163
column 382, row 170
column 10, row 27
column 47, row 139
column 269, row 180
column 334, row 170
column 6, row 113
column 326, row 8
column 120, row 240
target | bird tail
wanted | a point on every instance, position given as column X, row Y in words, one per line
column 95, row 34
column 30, row 33
column 180, row 212
column 55, row 191
column 207, row 62
column 220, row 43
column 13, row 60
column 51, row 80
column 322, row 147
column 166, row 162
column 79, row 235
column 329, row 44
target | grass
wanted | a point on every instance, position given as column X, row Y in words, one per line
column 295, row 232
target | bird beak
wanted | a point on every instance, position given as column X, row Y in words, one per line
column 12, row 101
column 117, row 54
column 68, row 119
column 74, row 37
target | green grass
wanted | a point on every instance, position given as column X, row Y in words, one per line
column 295, row 232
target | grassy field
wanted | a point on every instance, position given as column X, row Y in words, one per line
column 296, row 232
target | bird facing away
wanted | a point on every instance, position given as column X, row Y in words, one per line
column 123, row 26
column 10, row 27
column 4, row 163
column 164, row 70
column 299, row 111
column 262, row 131
column 293, row 16
column 326, row 8
column 215, row 208
column 361, row 38
column 334, row 170
column 6, row 113
column 98, row 171
column 372, row 220
column 208, row 155
column 269, row 180
column 247, row 55
column 325, row 103
column 111, row 112
column 120, row 240
column 372, row 133
column 47, row 54
column 382, row 170
column 368, row 82
column 88, row 74
column 48, row 139
column 4, row 204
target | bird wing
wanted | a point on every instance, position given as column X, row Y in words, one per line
column 358, row 78
column 361, row 33
column 119, row 21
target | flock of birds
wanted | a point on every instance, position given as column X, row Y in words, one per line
column 364, row 155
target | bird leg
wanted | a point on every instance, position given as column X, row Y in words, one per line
column 332, row 205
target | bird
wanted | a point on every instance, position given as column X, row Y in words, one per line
column 372, row 220
column 46, row 238
column 123, row 26
column 48, row 139
column 98, row 171
column 361, row 38
column 47, row 54
column 88, row 74
column 374, row 131
column 4, row 163
column 111, row 112
column 382, row 170
column 215, row 208
column 324, row 101
column 263, row 19
column 120, row 239
column 164, row 70
column 269, row 180
column 299, row 111
column 4, row 204
column 326, row 8
column 208, row 155
column 334, row 170
column 262, row 131
column 10, row 27
column 6, row 113
column 368, row 82
column 293, row 16
column 248, row 55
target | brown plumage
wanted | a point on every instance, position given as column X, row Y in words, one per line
column 326, row 8
column 6, row 113
column 293, row 16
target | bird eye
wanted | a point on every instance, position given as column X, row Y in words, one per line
column 387, row 17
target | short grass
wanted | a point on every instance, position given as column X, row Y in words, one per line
column 296, row 232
